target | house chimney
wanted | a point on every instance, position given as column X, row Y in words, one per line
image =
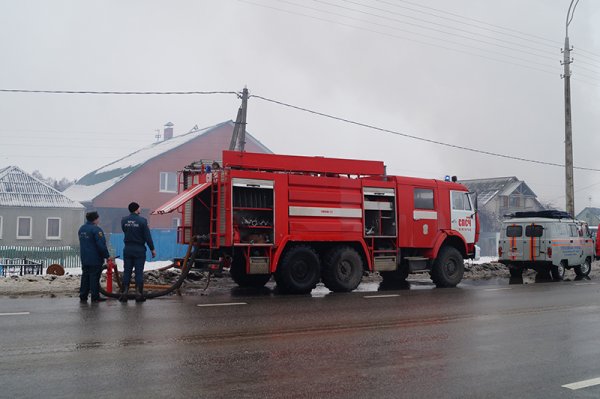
column 168, row 132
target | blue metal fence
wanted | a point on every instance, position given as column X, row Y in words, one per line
column 165, row 243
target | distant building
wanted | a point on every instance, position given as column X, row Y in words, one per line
column 590, row 215
column 149, row 176
column 497, row 197
column 34, row 214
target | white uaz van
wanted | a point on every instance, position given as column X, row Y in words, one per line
column 546, row 241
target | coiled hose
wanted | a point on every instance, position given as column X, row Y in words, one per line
column 188, row 261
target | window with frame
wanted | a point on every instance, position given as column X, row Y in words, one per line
column 514, row 231
column 423, row 198
column 534, row 230
column 168, row 182
column 574, row 232
column 460, row 201
column 175, row 222
column 53, row 228
column 1, row 220
column 515, row 202
column 24, row 227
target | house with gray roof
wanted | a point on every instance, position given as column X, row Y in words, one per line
column 497, row 197
column 590, row 215
column 34, row 214
column 149, row 176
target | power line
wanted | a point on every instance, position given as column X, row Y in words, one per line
column 437, row 24
column 417, row 26
column 456, row 146
column 411, row 39
column 462, row 45
column 117, row 92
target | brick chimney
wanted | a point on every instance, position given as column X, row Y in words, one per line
column 168, row 132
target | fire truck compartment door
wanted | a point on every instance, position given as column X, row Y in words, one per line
column 180, row 199
column 254, row 183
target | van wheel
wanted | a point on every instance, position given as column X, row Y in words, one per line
column 515, row 272
column 558, row 272
column 448, row 268
column 298, row 271
column 343, row 269
column 240, row 277
column 584, row 269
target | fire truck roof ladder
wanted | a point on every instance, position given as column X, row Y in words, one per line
column 296, row 163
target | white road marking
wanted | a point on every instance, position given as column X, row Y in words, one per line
column 203, row 305
column 497, row 289
column 14, row 314
column 380, row 296
column 583, row 384
column 585, row 283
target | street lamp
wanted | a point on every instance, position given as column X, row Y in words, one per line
column 570, row 193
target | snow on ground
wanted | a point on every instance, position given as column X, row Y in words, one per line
column 68, row 285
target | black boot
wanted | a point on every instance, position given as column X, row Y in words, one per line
column 123, row 296
column 139, row 295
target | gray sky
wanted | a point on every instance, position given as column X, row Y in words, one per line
column 477, row 73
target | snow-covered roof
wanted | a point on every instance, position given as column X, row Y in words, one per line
column 487, row 189
column 20, row 189
column 95, row 183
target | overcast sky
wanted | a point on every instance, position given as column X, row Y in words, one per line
column 474, row 73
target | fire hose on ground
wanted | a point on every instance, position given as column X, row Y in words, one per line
column 156, row 290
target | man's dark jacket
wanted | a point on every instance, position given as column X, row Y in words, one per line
column 92, row 244
column 137, row 235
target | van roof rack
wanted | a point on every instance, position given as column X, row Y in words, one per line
column 551, row 214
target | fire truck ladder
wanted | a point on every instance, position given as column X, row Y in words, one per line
column 217, row 200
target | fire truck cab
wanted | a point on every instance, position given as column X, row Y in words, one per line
column 308, row 219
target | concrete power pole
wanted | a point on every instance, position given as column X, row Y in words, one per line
column 569, row 184
column 243, row 119
column 238, row 138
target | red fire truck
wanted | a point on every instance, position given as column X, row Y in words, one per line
column 310, row 219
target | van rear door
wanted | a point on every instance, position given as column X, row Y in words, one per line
column 534, row 233
column 514, row 238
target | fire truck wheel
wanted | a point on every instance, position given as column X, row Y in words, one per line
column 343, row 269
column 243, row 279
column 448, row 268
column 298, row 271
column 584, row 269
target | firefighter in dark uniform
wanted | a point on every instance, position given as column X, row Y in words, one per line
column 92, row 244
column 137, row 236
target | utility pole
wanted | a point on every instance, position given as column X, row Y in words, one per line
column 243, row 118
column 239, row 140
column 569, row 184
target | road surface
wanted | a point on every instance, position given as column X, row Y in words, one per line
column 490, row 340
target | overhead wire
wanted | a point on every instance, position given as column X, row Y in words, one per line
column 441, row 143
column 555, row 73
column 528, row 65
column 441, row 25
column 116, row 92
column 521, row 34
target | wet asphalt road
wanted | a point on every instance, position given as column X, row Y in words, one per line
column 488, row 340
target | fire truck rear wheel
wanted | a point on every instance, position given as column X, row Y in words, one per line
column 343, row 269
column 299, row 270
column 448, row 268
column 243, row 279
